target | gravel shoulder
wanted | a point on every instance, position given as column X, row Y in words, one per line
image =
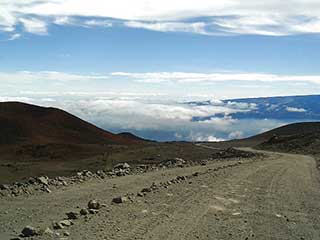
column 274, row 198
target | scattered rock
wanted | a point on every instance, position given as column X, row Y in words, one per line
column 119, row 200
column 4, row 187
column 57, row 225
column 122, row 166
column 84, row 212
column 43, row 180
column 93, row 204
column 93, row 211
column 29, row 232
column 48, row 231
column 66, row 223
column 175, row 162
column 145, row 190
column 139, row 194
column 66, row 233
column 46, row 189
column 72, row 215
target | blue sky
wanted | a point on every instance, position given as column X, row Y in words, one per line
column 80, row 40
column 152, row 51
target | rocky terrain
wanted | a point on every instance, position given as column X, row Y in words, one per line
column 272, row 196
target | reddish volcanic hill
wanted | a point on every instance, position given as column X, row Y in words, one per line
column 25, row 123
column 48, row 141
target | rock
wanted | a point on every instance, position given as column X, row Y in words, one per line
column 119, row 200
column 101, row 174
column 84, row 212
column 46, row 189
column 57, row 225
column 175, row 162
column 139, row 194
column 93, row 211
column 4, row 187
column 72, row 215
column 32, row 180
column 66, row 233
column 66, row 223
column 122, row 166
column 93, row 204
column 48, row 231
column 29, row 231
column 43, row 180
column 144, row 190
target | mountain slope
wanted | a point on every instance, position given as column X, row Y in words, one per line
column 293, row 138
column 25, row 123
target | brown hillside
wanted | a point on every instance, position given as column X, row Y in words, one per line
column 25, row 123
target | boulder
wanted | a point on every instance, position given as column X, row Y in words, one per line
column 93, row 204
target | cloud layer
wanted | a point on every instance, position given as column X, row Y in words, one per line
column 225, row 17
column 158, row 119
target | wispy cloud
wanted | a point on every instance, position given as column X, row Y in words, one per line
column 191, row 27
column 46, row 76
column 294, row 109
column 184, row 77
column 14, row 36
column 272, row 18
column 34, row 25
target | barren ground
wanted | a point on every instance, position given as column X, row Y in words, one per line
column 274, row 198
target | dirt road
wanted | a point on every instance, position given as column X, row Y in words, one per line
column 274, row 198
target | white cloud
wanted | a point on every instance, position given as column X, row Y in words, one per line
column 273, row 17
column 73, row 21
column 101, row 23
column 200, row 137
column 236, row 135
column 14, row 36
column 33, row 25
column 27, row 76
column 192, row 27
column 293, row 109
column 154, row 77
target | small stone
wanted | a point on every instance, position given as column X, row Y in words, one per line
column 93, row 211
column 46, row 189
column 48, row 231
column 4, row 187
column 66, row 223
column 119, row 200
column 146, row 190
column 84, row 212
column 29, row 232
column 57, row 225
column 43, row 180
column 66, row 233
column 93, row 204
column 72, row 215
